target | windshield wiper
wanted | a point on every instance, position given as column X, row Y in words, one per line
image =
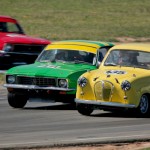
column 63, row 61
column 44, row 61
column 110, row 64
column 79, row 61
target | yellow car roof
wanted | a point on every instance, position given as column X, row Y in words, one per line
column 83, row 45
column 133, row 46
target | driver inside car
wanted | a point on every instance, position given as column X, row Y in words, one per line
column 62, row 55
column 126, row 58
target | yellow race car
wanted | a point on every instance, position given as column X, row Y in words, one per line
column 122, row 82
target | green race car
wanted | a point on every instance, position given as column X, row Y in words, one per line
column 53, row 76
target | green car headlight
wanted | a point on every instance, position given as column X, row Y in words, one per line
column 62, row 83
column 82, row 81
column 11, row 79
column 126, row 85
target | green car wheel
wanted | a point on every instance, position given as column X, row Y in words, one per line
column 16, row 100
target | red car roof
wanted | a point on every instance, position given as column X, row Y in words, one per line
column 7, row 19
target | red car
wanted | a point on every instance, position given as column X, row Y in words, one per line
column 16, row 48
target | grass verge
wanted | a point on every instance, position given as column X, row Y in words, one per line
column 2, row 78
column 105, row 20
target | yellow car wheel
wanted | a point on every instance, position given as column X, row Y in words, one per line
column 144, row 106
column 84, row 109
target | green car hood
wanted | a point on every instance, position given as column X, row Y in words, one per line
column 57, row 69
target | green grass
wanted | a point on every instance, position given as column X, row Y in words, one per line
column 81, row 19
column 145, row 148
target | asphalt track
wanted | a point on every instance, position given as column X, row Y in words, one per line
column 51, row 124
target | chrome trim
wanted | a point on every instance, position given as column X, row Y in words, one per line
column 112, row 104
column 35, row 87
column 1, row 51
column 103, row 82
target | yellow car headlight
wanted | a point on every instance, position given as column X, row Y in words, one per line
column 126, row 85
column 82, row 81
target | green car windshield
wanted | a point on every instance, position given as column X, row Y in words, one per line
column 65, row 55
column 128, row 58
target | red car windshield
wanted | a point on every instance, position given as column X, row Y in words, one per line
column 10, row 27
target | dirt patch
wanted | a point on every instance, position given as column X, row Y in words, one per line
column 2, row 77
column 119, row 146
column 130, row 39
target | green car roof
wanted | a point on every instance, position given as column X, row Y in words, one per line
column 100, row 43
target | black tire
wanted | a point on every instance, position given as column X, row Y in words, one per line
column 143, row 109
column 84, row 109
column 17, row 100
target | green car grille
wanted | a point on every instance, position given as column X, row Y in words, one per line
column 40, row 81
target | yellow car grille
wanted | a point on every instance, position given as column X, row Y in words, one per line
column 103, row 90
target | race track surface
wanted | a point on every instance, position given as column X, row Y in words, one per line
column 40, row 124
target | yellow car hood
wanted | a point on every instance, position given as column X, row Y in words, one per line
column 119, row 73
